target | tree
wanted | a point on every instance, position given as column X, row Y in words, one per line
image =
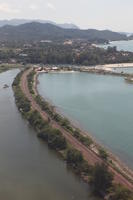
column 74, row 157
column 53, row 137
column 56, row 140
column 103, row 154
column 36, row 120
column 101, row 179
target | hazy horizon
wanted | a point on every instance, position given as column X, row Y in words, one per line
column 115, row 15
column 84, row 28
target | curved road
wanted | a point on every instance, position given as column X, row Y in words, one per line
column 90, row 156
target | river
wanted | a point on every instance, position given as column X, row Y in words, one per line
column 102, row 105
column 29, row 170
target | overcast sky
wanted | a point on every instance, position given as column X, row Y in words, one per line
column 101, row 14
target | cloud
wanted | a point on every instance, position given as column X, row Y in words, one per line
column 6, row 8
column 33, row 7
column 51, row 6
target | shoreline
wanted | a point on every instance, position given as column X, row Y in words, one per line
column 119, row 165
column 117, row 65
column 109, row 69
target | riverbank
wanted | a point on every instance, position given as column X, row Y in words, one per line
column 103, row 71
column 121, row 167
column 108, row 70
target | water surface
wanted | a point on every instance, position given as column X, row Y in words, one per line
column 121, row 45
column 28, row 169
column 102, row 105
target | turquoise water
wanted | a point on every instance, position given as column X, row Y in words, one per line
column 29, row 170
column 102, row 105
column 121, row 45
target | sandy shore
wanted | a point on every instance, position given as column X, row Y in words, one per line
column 118, row 65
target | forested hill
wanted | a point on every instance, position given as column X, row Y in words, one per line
column 37, row 31
column 16, row 22
column 131, row 37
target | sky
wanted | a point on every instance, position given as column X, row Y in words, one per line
column 116, row 15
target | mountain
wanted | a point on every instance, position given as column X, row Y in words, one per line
column 131, row 37
column 16, row 22
column 126, row 33
column 35, row 31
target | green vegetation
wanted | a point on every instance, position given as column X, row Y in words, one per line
column 54, row 138
column 44, row 105
column 30, row 81
column 75, row 54
column 21, row 101
column 103, row 154
column 36, row 121
column 75, row 159
column 83, row 139
column 101, row 180
column 71, row 51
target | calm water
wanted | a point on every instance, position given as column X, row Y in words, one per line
column 102, row 105
column 121, row 45
column 28, row 169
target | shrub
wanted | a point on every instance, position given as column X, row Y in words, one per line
column 103, row 154
column 54, row 138
column 36, row 120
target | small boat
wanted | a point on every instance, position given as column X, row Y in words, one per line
column 6, row 86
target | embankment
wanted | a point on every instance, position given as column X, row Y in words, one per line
column 42, row 120
column 127, row 173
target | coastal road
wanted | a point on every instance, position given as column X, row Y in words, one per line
column 89, row 155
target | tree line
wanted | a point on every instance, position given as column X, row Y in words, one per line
column 59, row 53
